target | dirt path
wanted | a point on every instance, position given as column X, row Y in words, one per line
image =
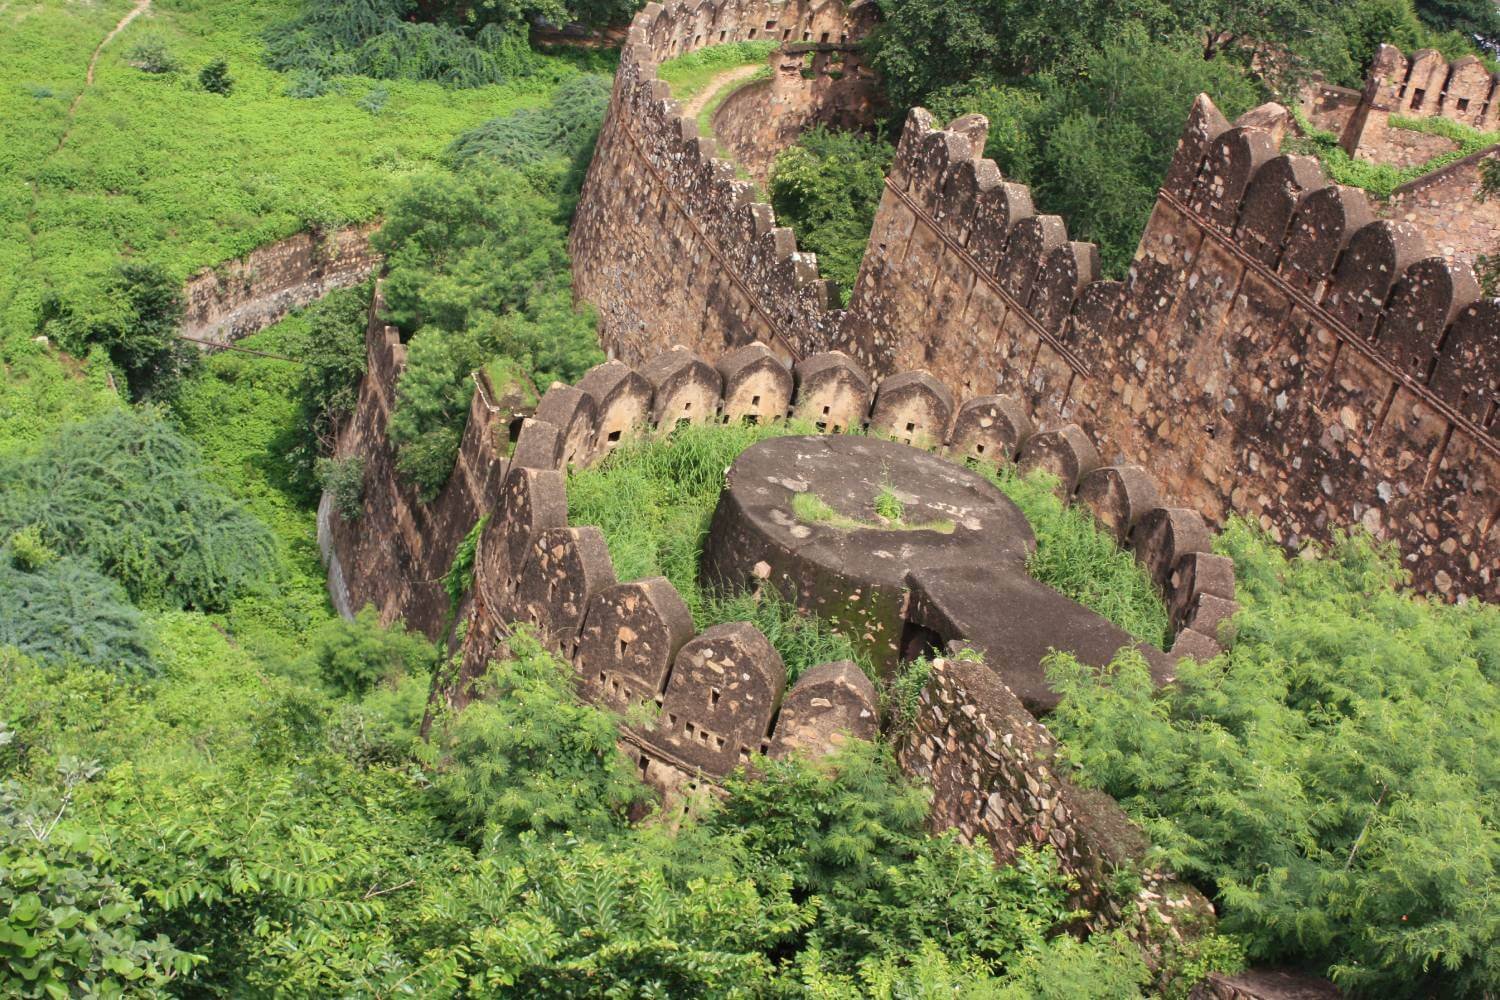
column 88, row 78
column 728, row 78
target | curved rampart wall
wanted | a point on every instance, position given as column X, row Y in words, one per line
column 666, row 242
column 1275, row 351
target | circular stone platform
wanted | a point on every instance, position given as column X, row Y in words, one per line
column 836, row 523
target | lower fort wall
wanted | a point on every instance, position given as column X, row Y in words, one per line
column 719, row 700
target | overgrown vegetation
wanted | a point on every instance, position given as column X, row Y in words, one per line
column 478, row 268
column 690, row 72
column 827, row 187
column 1330, row 780
column 128, row 494
column 1381, row 179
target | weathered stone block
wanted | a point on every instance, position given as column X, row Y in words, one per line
column 631, row 633
column 831, row 703
column 1119, row 496
column 757, row 385
column 912, row 408
column 540, row 445
column 989, row 429
column 722, row 695
column 833, row 393
column 1066, row 452
column 622, row 400
column 575, row 412
column 1198, row 573
column 565, row 568
column 531, row 501
column 686, row 390
column 1166, row 534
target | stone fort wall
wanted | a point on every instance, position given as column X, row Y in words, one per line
column 1275, row 351
column 720, row 699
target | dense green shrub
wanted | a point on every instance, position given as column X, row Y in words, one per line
column 1330, row 780
column 352, row 657
column 151, row 55
column 547, row 144
column 62, row 610
column 478, row 268
column 374, row 38
column 330, row 343
column 530, row 757
column 67, row 926
column 345, row 479
column 136, row 322
column 827, row 187
column 128, row 493
column 215, row 78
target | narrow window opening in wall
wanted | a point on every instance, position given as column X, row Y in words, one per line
column 843, row 39
column 718, row 743
column 644, row 764
column 745, row 755
column 684, row 422
column 770, row 25
column 824, row 38
column 1463, row 104
column 1417, row 96
column 621, row 646
column 551, row 589
column 515, row 429
column 722, row 35
column 687, row 406
column 614, row 436
column 752, row 32
column 697, row 40
column 754, row 400
column 672, row 720
column 807, row 36
column 910, row 427
column 979, row 449
column 690, row 731
column 786, row 33
column 628, row 694
column 827, row 410
column 749, row 419
column 713, row 697
column 822, row 427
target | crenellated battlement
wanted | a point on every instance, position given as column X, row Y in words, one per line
column 703, row 704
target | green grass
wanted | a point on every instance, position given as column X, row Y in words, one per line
column 1077, row 559
column 242, row 410
column 154, row 168
column 1380, row 179
column 688, row 74
column 889, row 510
column 712, row 105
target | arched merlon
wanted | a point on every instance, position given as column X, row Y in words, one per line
column 1255, row 356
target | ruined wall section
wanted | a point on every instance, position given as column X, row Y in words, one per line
column 239, row 297
column 665, row 232
column 1425, row 85
column 1442, row 206
column 812, row 84
column 1275, row 350
column 395, row 554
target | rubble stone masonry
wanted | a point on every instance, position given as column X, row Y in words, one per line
column 1276, row 350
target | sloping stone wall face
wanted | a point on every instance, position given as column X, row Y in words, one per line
column 1275, row 351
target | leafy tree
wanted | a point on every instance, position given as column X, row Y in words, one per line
column 354, row 656
column 478, row 267
column 529, row 757
column 128, row 493
column 333, row 355
column 827, row 187
column 1329, row 779
column 63, row 610
column 136, row 321
column 67, row 927
column 1477, row 19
